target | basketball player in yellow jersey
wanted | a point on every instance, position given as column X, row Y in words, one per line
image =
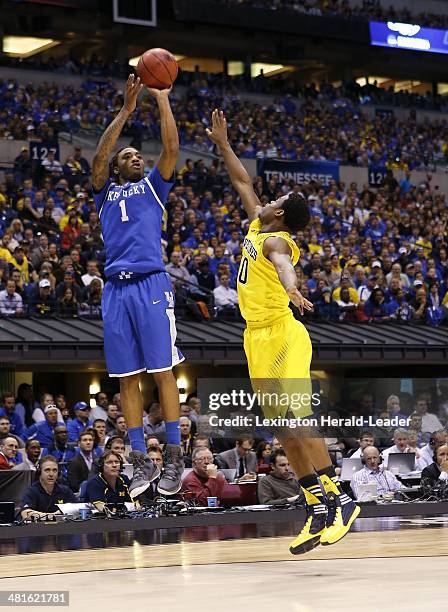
column 277, row 347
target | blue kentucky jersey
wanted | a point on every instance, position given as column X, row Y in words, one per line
column 131, row 223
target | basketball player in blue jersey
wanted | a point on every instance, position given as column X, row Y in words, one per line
column 138, row 300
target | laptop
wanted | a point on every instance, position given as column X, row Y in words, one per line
column 349, row 467
column 367, row 492
column 229, row 474
column 7, row 513
column 401, row 463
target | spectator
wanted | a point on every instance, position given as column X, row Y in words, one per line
column 80, row 422
column 43, row 431
column 10, row 302
column 92, row 306
column 373, row 472
column 80, row 466
column 5, row 427
column 45, row 303
column 60, row 447
column 186, row 439
column 121, row 430
column 394, row 409
column 42, row 497
column 280, row 486
column 226, row 299
column 8, row 452
column 263, row 453
column 100, row 410
column 204, row 480
column 99, row 431
column 108, row 487
column 437, row 471
column 153, row 423
column 376, row 307
column 401, row 445
column 241, row 457
column 111, row 420
column 366, row 438
column 438, row 438
column 51, row 165
column 67, row 304
column 430, row 421
column 116, row 444
column 8, row 409
column 32, row 455
column 91, row 274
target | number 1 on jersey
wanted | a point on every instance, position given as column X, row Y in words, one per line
column 242, row 276
column 124, row 215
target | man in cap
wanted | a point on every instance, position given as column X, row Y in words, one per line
column 44, row 304
column 80, row 422
column 43, row 431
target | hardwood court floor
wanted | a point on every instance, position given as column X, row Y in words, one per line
column 393, row 569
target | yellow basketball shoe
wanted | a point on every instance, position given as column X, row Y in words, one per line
column 310, row 535
column 342, row 511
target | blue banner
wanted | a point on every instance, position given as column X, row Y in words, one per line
column 377, row 175
column 39, row 150
column 299, row 171
column 408, row 36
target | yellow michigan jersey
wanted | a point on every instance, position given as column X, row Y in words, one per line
column 277, row 346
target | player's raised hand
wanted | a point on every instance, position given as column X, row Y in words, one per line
column 218, row 133
column 159, row 93
column 132, row 89
column 298, row 300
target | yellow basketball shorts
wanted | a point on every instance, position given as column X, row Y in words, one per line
column 279, row 358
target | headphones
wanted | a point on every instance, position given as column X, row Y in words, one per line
column 363, row 461
column 108, row 452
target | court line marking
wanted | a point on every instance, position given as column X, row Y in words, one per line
column 190, row 565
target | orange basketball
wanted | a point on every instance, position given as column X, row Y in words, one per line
column 157, row 68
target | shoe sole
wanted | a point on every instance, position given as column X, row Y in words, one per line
column 305, row 547
column 138, row 490
column 172, row 492
column 349, row 524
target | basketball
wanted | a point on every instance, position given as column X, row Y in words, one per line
column 157, row 68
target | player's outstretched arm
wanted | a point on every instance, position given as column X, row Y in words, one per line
column 278, row 252
column 168, row 130
column 100, row 164
column 237, row 172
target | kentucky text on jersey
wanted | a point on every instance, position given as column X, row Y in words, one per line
column 131, row 218
column 126, row 193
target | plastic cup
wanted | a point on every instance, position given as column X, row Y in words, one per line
column 212, row 502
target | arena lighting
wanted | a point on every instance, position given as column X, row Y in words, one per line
column 269, row 69
column 181, row 383
column 134, row 60
column 26, row 46
column 94, row 388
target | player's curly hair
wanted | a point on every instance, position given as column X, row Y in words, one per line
column 297, row 214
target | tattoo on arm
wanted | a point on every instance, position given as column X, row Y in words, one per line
column 100, row 164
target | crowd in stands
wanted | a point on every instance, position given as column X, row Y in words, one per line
column 368, row 254
column 371, row 10
column 82, row 441
column 324, row 123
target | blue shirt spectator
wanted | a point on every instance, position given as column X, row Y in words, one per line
column 77, row 425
